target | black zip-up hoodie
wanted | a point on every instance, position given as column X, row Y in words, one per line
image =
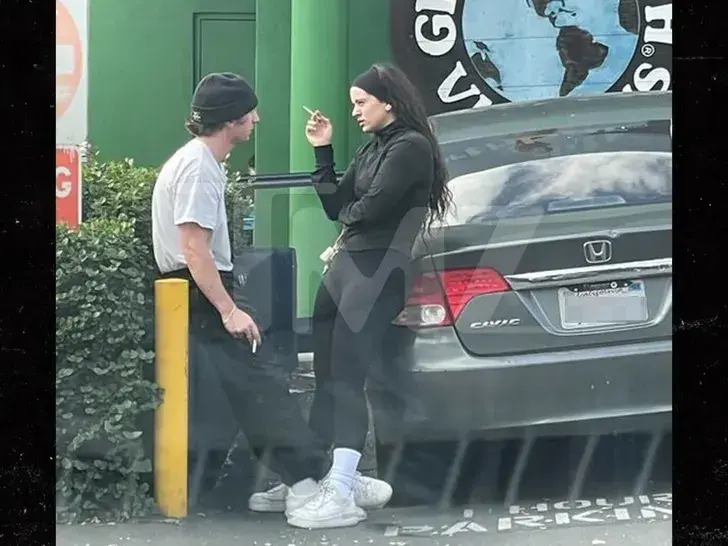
column 382, row 197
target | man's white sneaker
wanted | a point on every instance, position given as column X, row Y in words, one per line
column 280, row 498
column 327, row 509
column 273, row 500
column 371, row 493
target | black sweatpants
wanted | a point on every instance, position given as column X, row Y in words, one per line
column 359, row 296
column 258, row 394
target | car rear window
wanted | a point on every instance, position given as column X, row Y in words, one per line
column 554, row 172
column 562, row 184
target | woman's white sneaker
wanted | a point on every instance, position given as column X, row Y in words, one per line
column 327, row 509
column 369, row 494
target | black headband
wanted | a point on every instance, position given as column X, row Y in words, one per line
column 370, row 82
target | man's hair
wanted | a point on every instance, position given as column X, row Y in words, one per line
column 198, row 129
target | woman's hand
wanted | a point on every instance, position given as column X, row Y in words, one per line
column 319, row 130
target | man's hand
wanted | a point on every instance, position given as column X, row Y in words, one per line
column 239, row 324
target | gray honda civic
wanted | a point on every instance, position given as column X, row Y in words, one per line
column 542, row 304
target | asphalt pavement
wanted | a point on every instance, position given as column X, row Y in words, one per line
column 621, row 521
column 626, row 521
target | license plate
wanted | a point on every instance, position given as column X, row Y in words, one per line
column 605, row 304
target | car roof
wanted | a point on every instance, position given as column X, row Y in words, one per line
column 562, row 112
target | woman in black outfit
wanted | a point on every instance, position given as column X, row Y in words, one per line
column 394, row 185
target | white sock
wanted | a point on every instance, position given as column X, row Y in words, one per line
column 304, row 487
column 344, row 468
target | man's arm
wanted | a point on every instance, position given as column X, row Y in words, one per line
column 196, row 206
column 195, row 242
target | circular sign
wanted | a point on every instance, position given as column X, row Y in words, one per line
column 466, row 53
column 69, row 59
column 542, row 49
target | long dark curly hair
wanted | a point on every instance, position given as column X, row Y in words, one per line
column 409, row 108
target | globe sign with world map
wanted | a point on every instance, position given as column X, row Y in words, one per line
column 535, row 49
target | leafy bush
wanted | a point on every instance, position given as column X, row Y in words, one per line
column 239, row 204
column 120, row 189
column 105, row 276
column 100, row 367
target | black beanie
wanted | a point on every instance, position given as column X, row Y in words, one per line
column 222, row 97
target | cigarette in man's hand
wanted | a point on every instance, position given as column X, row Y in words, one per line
column 255, row 346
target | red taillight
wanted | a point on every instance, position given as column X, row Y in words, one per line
column 437, row 299
column 462, row 285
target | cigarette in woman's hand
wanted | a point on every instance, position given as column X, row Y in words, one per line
column 310, row 112
column 255, row 346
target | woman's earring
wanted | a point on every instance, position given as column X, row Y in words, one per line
column 388, row 107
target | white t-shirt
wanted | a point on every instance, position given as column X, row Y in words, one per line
column 190, row 188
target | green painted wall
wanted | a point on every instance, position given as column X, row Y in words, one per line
column 272, row 145
column 319, row 81
column 143, row 69
column 146, row 57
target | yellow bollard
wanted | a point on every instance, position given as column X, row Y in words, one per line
column 171, row 317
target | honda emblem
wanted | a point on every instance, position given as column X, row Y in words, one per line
column 598, row 252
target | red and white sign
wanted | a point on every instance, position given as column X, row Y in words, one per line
column 71, row 71
column 68, row 185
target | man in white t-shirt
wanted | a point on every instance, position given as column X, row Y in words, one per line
column 189, row 220
column 191, row 241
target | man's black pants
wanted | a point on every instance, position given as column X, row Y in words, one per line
column 258, row 394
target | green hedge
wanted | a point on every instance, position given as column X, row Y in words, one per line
column 104, row 343
column 101, row 309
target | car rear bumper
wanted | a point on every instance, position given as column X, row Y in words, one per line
column 599, row 390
